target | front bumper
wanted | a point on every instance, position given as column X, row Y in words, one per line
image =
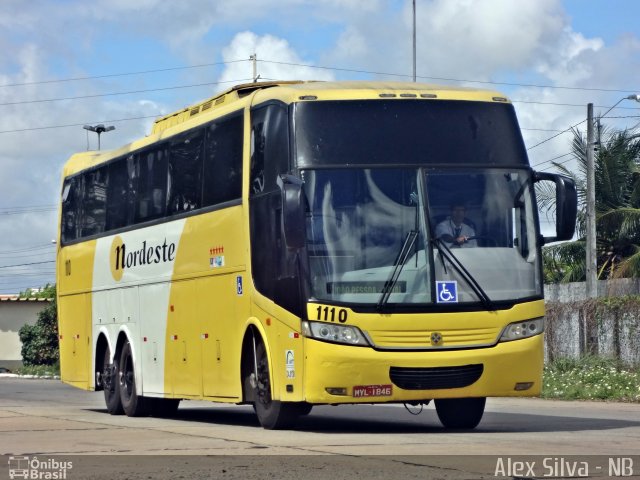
column 341, row 367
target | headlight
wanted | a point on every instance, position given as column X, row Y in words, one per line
column 334, row 333
column 526, row 329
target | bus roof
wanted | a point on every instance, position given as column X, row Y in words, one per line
column 246, row 94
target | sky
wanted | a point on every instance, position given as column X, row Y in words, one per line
column 69, row 63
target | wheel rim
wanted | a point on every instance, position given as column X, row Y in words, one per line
column 107, row 378
column 127, row 379
column 263, row 388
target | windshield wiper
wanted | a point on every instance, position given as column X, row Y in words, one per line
column 445, row 252
column 403, row 255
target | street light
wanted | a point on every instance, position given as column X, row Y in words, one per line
column 592, row 277
column 99, row 129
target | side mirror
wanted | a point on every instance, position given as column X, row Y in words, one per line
column 293, row 217
column 566, row 205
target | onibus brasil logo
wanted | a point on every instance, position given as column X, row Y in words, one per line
column 34, row 468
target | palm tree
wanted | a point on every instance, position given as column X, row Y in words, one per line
column 617, row 175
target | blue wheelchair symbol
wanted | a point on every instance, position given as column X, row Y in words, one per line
column 239, row 285
column 447, row 292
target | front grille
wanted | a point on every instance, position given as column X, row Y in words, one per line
column 435, row 378
column 462, row 337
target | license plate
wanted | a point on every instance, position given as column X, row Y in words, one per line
column 372, row 391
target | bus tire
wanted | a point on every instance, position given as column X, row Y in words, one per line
column 460, row 413
column 272, row 414
column 132, row 404
column 111, row 385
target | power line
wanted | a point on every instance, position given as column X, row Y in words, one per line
column 556, row 135
column 459, row 80
column 111, row 75
column 28, row 249
column 540, row 129
column 80, row 124
column 28, row 255
column 111, row 94
column 23, row 276
column 319, row 67
column 26, row 264
column 581, row 105
column 551, row 160
column 21, row 254
column 29, row 210
column 206, row 84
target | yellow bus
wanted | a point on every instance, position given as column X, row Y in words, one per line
column 292, row 244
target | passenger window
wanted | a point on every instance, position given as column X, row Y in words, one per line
column 269, row 147
column 151, row 201
column 120, row 193
column 185, row 172
column 70, row 209
column 94, row 202
column 223, row 161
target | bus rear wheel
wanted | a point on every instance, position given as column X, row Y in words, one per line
column 132, row 404
column 272, row 414
column 460, row 413
column 111, row 386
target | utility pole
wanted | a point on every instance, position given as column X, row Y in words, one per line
column 592, row 266
column 590, row 327
column 414, row 41
column 592, row 257
column 254, row 62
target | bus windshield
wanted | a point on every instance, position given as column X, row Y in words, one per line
column 381, row 236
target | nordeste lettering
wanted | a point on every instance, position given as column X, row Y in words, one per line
column 145, row 255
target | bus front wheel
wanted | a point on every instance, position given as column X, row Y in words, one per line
column 272, row 414
column 460, row 413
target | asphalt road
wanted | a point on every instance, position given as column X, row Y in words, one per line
column 48, row 419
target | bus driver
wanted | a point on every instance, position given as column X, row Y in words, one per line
column 454, row 230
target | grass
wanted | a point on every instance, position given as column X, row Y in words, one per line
column 39, row 370
column 591, row 378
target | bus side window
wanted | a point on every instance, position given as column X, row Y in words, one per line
column 223, row 161
column 94, row 203
column 270, row 260
column 185, row 172
column 71, row 209
column 269, row 147
column 118, row 194
column 151, row 200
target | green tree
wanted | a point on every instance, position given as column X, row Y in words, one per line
column 617, row 182
column 48, row 291
column 40, row 341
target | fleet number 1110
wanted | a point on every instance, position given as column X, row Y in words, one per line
column 329, row 314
